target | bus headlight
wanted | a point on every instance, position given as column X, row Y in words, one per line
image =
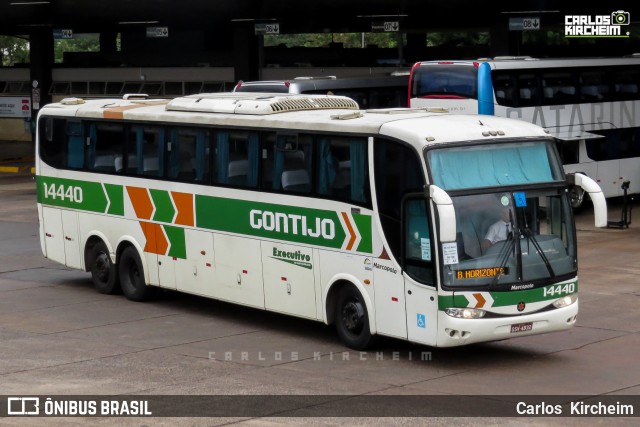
column 565, row 301
column 465, row 313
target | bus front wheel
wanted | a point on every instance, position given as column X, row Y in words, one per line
column 103, row 271
column 352, row 319
column 131, row 275
column 576, row 196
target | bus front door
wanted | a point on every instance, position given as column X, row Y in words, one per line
column 419, row 272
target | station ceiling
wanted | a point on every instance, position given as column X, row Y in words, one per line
column 294, row 16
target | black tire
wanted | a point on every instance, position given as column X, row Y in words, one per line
column 352, row 319
column 103, row 270
column 131, row 275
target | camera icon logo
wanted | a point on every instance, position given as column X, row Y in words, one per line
column 620, row 17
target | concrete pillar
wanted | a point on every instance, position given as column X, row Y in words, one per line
column 500, row 42
column 41, row 59
column 247, row 52
column 416, row 48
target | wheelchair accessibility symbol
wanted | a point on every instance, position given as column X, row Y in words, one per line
column 422, row 321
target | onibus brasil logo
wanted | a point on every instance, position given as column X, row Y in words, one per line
column 613, row 25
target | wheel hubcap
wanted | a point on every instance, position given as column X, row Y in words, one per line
column 102, row 267
column 353, row 316
column 576, row 195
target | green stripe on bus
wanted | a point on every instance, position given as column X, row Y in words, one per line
column 164, row 206
column 177, row 245
column 116, row 198
column 289, row 223
column 511, row 298
column 363, row 223
column 73, row 194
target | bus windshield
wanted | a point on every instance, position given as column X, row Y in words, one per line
column 492, row 165
column 445, row 82
column 513, row 231
column 511, row 238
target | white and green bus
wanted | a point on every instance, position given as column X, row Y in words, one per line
column 374, row 221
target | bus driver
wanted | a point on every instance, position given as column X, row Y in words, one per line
column 499, row 230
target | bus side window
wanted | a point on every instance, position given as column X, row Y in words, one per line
column 626, row 82
column 342, row 169
column 569, row 151
column 53, row 139
column 237, row 157
column 146, row 151
column 397, row 172
column 188, row 155
column 418, row 244
column 504, row 89
column 104, row 147
column 528, row 92
column 75, row 145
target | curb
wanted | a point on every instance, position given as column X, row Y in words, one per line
column 17, row 169
column 17, row 165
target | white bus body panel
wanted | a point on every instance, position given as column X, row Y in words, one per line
column 289, row 288
column 71, row 239
column 390, row 298
column 53, row 234
column 238, row 270
column 196, row 274
column 167, row 272
column 422, row 312
column 482, row 330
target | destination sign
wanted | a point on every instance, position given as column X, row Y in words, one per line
column 477, row 273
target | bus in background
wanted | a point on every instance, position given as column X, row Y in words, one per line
column 374, row 221
column 591, row 106
column 375, row 91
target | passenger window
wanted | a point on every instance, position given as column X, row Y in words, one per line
column 104, row 149
column 504, row 89
column 286, row 162
column 145, row 154
column 527, row 90
column 626, row 83
column 594, row 86
column 52, row 142
column 342, row 169
column 559, row 88
column 236, row 155
column 189, row 155
column 75, row 145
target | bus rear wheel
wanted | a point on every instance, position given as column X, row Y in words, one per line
column 352, row 319
column 131, row 275
column 103, row 270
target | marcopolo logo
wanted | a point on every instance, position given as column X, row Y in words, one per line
column 612, row 25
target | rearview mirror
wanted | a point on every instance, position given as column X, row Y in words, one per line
column 446, row 213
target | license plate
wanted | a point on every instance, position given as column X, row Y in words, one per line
column 521, row 327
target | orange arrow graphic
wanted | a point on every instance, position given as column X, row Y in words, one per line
column 156, row 241
column 480, row 299
column 351, row 232
column 184, row 204
column 141, row 202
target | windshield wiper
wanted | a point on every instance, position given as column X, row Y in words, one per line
column 530, row 235
column 503, row 256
